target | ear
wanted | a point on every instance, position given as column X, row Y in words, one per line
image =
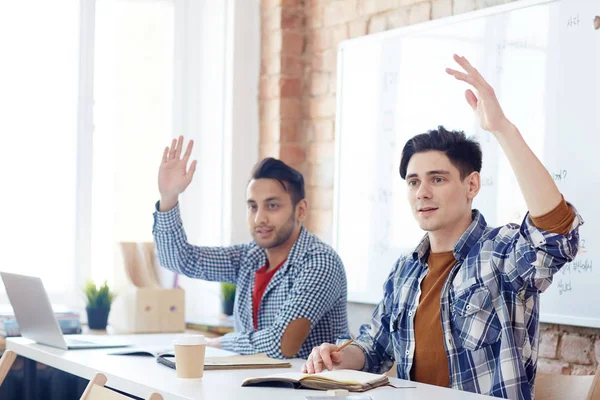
column 301, row 210
column 473, row 181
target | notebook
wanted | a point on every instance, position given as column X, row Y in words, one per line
column 353, row 381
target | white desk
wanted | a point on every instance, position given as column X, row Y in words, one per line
column 139, row 376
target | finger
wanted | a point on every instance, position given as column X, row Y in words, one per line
column 326, row 357
column 461, row 76
column 192, row 170
column 304, row 370
column 165, row 155
column 188, row 150
column 471, row 98
column 336, row 357
column 471, row 70
column 309, row 365
column 172, row 149
column 179, row 147
column 317, row 363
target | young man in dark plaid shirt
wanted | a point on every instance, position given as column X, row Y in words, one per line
column 462, row 310
column 291, row 287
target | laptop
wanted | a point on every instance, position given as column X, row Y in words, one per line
column 36, row 319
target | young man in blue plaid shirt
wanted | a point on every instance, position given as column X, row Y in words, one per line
column 462, row 310
column 281, row 307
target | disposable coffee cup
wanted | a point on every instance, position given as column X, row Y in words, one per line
column 189, row 356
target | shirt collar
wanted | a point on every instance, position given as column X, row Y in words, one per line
column 259, row 257
column 464, row 244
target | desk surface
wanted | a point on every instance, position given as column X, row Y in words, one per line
column 139, row 376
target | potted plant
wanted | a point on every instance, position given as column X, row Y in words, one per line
column 98, row 304
column 228, row 296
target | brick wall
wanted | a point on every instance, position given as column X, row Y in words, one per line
column 297, row 114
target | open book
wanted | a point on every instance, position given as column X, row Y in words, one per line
column 216, row 359
column 353, row 381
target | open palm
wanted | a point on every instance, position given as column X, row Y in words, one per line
column 173, row 175
column 485, row 104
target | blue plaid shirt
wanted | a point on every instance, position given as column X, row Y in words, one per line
column 489, row 307
column 310, row 284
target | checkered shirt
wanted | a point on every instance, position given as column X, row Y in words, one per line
column 489, row 307
column 310, row 284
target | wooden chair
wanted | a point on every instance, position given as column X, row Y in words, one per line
column 572, row 387
column 95, row 390
column 7, row 360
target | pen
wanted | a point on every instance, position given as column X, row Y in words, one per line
column 343, row 346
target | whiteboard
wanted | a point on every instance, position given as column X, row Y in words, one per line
column 543, row 59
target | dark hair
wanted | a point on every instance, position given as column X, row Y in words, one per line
column 291, row 180
column 464, row 153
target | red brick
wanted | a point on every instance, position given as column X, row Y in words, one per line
column 270, row 65
column 398, row 19
column 268, row 150
column 290, row 131
column 271, row 43
column 419, row 13
column 377, row 23
column 291, row 66
column 320, row 198
column 321, row 174
column 320, row 222
column 583, row 370
column 553, row 367
column 269, row 132
column 271, row 20
column 291, row 87
column 320, row 39
column 339, row 12
column 314, row 18
column 323, row 130
column 319, row 83
column 291, row 109
column 292, row 19
column 270, row 3
column 292, row 153
column 576, row 349
column 292, row 43
column 322, row 107
column 462, row 6
column 269, row 110
column 292, row 3
column 548, row 344
column 370, row 7
column 321, row 153
column 441, row 9
column 339, row 33
column 357, row 28
column 269, row 87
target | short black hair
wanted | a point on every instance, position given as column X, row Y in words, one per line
column 291, row 180
column 464, row 153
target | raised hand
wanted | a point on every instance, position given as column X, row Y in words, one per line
column 484, row 103
column 173, row 175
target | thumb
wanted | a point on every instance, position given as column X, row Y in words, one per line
column 471, row 98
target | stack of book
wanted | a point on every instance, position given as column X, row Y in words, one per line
column 67, row 320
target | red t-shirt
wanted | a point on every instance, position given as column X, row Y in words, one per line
column 261, row 281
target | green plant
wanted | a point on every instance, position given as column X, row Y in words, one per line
column 228, row 291
column 98, row 297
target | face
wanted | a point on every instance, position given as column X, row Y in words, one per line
column 439, row 199
column 272, row 218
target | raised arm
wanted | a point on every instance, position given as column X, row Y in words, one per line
column 538, row 188
column 173, row 175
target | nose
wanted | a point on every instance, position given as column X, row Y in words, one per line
column 424, row 191
column 260, row 217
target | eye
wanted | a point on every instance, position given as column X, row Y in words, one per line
column 413, row 182
column 438, row 179
column 251, row 207
column 272, row 206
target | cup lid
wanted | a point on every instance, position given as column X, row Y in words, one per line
column 189, row 340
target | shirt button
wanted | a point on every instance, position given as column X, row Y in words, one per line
column 407, row 352
column 468, row 306
column 410, row 313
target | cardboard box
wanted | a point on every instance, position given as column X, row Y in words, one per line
column 149, row 310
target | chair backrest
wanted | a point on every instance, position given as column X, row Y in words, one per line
column 95, row 390
column 7, row 360
column 573, row 387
